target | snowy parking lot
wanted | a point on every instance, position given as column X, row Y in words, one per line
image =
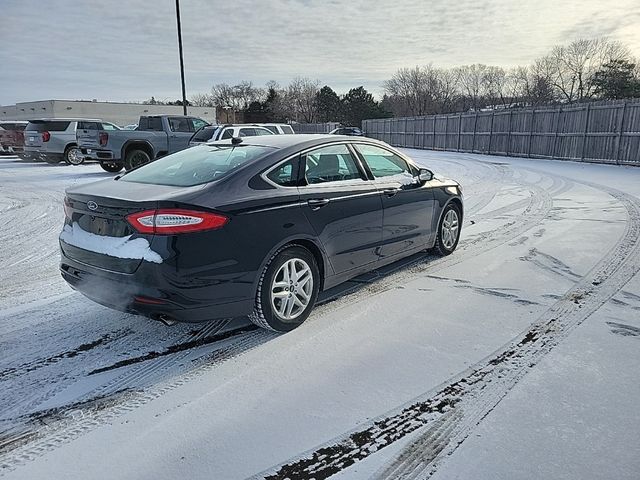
column 515, row 357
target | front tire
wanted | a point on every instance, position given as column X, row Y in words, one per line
column 448, row 230
column 134, row 158
column 287, row 290
column 73, row 155
column 111, row 167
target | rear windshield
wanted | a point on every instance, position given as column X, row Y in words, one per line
column 12, row 126
column 54, row 126
column 196, row 165
column 204, row 134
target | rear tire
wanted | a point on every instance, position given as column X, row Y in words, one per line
column 134, row 158
column 73, row 155
column 287, row 290
column 448, row 230
column 111, row 167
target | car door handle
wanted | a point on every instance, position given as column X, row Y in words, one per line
column 316, row 203
column 390, row 192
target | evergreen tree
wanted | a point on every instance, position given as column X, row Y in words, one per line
column 328, row 105
column 360, row 105
column 616, row 79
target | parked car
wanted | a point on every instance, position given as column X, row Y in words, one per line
column 155, row 137
column 278, row 128
column 212, row 133
column 12, row 136
column 256, row 227
column 351, row 131
column 54, row 139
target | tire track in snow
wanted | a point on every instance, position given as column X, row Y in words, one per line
column 472, row 395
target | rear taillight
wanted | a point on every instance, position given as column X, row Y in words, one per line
column 68, row 210
column 46, row 136
column 170, row 221
column 104, row 138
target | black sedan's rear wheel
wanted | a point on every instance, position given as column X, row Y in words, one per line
column 134, row 158
column 287, row 290
column 111, row 167
column 448, row 230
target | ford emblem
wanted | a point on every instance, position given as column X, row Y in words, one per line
column 91, row 205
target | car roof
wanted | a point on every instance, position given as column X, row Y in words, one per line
column 303, row 140
column 65, row 120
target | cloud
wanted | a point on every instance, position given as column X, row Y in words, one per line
column 128, row 50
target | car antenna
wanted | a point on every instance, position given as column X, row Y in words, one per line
column 236, row 140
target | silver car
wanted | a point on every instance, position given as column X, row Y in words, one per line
column 54, row 139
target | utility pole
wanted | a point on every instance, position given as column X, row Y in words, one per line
column 184, row 93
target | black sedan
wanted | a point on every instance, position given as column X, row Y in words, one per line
column 257, row 227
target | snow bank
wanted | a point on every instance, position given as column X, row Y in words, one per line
column 120, row 247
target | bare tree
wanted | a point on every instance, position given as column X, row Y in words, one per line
column 471, row 78
column 571, row 67
column 201, row 100
column 300, row 98
column 238, row 97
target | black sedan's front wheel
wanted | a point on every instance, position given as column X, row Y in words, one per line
column 287, row 290
column 448, row 230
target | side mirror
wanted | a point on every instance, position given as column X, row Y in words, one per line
column 425, row 175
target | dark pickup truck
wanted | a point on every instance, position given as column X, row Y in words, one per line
column 155, row 137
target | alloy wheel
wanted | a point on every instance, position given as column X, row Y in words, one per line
column 292, row 289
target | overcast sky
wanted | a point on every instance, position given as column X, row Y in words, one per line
column 127, row 50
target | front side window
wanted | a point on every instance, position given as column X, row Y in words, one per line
column 228, row 133
column 287, row 129
column 330, row 164
column 273, row 128
column 109, row 126
column 382, row 162
column 196, row 165
column 180, row 124
column 263, row 131
column 88, row 126
column 285, row 174
column 198, row 123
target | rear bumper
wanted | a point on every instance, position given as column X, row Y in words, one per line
column 98, row 155
column 118, row 291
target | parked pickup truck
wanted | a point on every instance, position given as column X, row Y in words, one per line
column 155, row 136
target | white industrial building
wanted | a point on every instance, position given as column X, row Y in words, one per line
column 115, row 112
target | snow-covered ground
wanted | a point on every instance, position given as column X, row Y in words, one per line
column 515, row 357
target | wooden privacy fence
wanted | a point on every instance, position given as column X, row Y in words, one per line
column 591, row 132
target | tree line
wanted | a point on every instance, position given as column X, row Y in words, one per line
column 582, row 70
column 302, row 101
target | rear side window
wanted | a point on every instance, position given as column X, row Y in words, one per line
column 153, row 124
column 286, row 174
column 203, row 135
column 54, row 126
column 330, row 164
column 383, row 163
column 287, row 129
column 196, row 165
column 247, row 132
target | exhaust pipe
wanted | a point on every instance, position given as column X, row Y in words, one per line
column 168, row 321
